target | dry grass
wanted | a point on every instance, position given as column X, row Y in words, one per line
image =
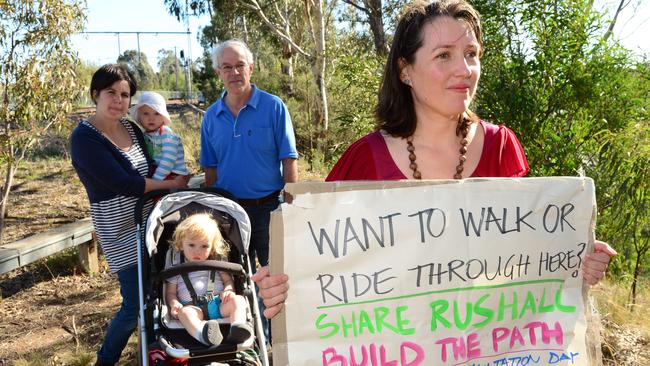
column 626, row 329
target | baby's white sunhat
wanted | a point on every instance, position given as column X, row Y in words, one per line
column 153, row 100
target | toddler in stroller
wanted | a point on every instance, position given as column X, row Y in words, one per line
column 197, row 299
column 171, row 334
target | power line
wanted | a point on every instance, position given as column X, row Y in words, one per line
column 137, row 33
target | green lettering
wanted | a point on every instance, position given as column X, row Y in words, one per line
column 529, row 303
column 437, row 308
column 380, row 314
column 401, row 323
column 320, row 326
column 468, row 315
column 503, row 306
column 365, row 322
column 545, row 308
column 346, row 326
column 484, row 312
column 561, row 307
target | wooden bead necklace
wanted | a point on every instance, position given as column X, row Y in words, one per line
column 461, row 130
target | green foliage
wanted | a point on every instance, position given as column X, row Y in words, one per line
column 353, row 98
column 171, row 74
column 550, row 78
column 206, row 80
column 38, row 84
column 84, row 72
column 137, row 63
column 577, row 103
column 624, row 196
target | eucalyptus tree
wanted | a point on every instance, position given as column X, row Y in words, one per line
column 38, row 85
column 549, row 74
column 552, row 72
column 378, row 17
column 170, row 75
column 625, row 201
column 138, row 65
column 298, row 26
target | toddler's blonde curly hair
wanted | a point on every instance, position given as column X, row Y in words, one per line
column 201, row 226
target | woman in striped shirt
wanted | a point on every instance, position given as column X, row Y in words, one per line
column 110, row 156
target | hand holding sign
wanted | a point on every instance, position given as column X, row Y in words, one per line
column 596, row 263
column 273, row 290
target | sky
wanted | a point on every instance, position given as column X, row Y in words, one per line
column 632, row 28
column 135, row 16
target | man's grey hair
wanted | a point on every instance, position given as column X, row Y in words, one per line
column 218, row 51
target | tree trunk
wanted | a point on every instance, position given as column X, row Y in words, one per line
column 245, row 29
column 635, row 279
column 610, row 30
column 9, row 178
column 375, row 19
column 286, row 65
column 318, row 68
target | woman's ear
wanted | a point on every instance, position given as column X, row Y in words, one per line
column 403, row 71
column 93, row 96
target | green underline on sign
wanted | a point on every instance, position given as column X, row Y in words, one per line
column 457, row 289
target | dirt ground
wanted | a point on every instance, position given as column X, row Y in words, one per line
column 52, row 313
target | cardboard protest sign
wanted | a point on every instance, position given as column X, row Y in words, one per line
column 472, row 272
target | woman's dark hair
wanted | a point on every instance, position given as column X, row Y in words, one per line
column 395, row 111
column 107, row 75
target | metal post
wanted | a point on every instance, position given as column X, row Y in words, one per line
column 137, row 35
column 189, row 54
column 176, row 68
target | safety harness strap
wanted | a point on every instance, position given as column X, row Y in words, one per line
column 201, row 301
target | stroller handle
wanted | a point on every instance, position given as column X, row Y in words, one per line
column 139, row 206
column 233, row 268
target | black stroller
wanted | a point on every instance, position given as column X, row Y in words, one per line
column 163, row 340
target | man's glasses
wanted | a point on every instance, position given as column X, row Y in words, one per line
column 229, row 68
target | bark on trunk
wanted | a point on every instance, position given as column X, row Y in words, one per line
column 375, row 19
column 286, row 65
column 9, row 177
column 318, row 68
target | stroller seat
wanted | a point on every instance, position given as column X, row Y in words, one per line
column 174, row 336
column 174, row 258
column 167, row 334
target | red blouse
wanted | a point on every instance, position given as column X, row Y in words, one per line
column 369, row 159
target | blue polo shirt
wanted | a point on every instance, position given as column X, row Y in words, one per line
column 247, row 151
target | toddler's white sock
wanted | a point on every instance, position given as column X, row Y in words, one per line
column 198, row 335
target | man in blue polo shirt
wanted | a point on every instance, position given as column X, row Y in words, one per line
column 247, row 143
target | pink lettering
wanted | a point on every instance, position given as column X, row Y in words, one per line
column 473, row 346
column 499, row 334
column 531, row 331
column 410, row 354
column 556, row 333
column 461, row 349
column 419, row 354
column 382, row 353
column 334, row 358
column 353, row 360
column 518, row 339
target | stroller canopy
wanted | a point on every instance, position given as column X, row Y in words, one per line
column 175, row 203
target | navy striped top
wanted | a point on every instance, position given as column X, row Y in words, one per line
column 114, row 179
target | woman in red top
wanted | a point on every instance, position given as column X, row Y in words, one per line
column 426, row 129
column 370, row 159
